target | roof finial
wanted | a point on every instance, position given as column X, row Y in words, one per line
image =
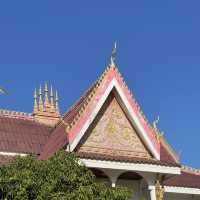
column 40, row 99
column 35, row 108
column 155, row 123
column 57, row 107
column 46, row 98
column 113, row 56
column 51, row 99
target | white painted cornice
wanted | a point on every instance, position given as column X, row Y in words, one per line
column 138, row 167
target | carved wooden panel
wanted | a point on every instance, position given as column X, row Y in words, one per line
column 113, row 134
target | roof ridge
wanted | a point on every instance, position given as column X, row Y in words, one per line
column 86, row 97
column 190, row 169
column 15, row 114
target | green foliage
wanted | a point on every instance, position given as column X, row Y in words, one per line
column 59, row 178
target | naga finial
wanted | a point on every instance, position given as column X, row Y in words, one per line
column 113, row 55
column 155, row 122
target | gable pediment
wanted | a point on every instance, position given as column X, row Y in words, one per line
column 111, row 81
column 112, row 133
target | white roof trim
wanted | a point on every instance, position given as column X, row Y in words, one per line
column 130, row 166
column 182, row 190
column 12, row 154
column 132, row 115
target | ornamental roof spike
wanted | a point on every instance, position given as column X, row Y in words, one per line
column 156, row 122
column 56, row 100
column 40, row 107
column 52, row 99
column 113, row 56
column 46, row 96
column 35, row 107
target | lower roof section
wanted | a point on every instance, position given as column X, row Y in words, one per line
column 187, row 179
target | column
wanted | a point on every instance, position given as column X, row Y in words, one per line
column 152, row 193
column 113, row 181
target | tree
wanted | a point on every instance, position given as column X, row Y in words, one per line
column 61, row 177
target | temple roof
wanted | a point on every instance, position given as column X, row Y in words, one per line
column 59, row 137
column 189, row 178
column 20, row 133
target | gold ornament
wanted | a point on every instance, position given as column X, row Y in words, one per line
column 159, row 191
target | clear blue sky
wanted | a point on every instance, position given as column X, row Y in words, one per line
column 68, row 43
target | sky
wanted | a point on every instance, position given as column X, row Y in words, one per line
column 68, row 44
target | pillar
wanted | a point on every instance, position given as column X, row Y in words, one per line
column 152, row 193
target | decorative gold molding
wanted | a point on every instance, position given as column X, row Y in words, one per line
column 159, row 189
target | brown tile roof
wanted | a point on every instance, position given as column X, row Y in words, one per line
column 186, row 179
column 21, row 134
column 166, row 152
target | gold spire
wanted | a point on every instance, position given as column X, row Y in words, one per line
column 40, row 99
column 52, row 100
column 35, row 108
column 46, row 98
column 57, row 107
column 113, row 56
column 44, row 110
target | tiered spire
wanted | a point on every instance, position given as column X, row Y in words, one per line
column 52, row 99
column 46, row 97
column 44, row 110
column 40, row 106
column 35, row 108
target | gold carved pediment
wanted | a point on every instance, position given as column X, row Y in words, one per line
column 112, row 133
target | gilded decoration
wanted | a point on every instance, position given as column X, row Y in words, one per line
column 113, row 134
column 159, row 191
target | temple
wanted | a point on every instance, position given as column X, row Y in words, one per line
column 108, row 131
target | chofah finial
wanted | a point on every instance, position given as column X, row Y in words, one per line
column 156, row 122
column 113, row 56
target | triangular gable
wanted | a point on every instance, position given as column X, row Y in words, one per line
column 111, row 79
column 112, row 134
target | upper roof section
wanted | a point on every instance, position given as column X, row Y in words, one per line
column 79, row 118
